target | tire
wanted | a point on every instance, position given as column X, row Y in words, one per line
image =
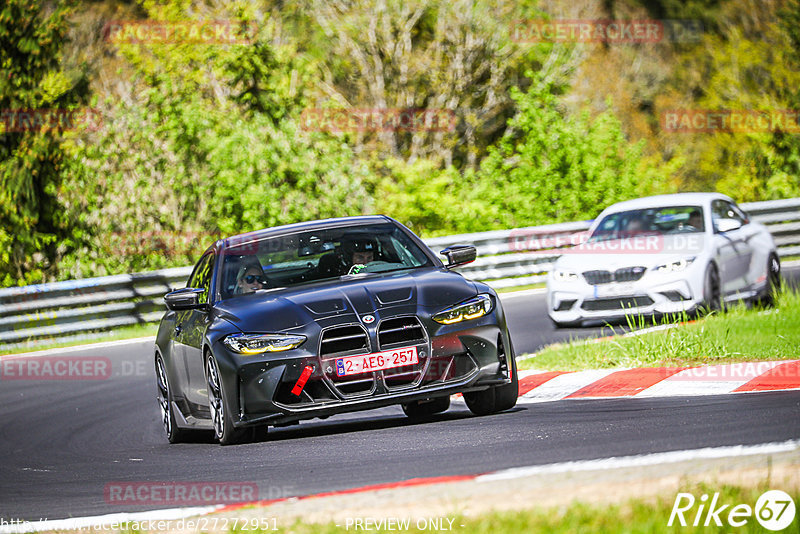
column 426, row 408
column 497, row 398
column 224, row 431
column 174, row 433
column 712, row 295
column 773, row 281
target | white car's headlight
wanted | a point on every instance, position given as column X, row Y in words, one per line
column 562, row 275
column 675, row 266
column 470, row 309
column 260, row 343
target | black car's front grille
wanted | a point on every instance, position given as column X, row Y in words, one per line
column 400, row 331
column 625, row 274
column 622, row 303
column 343, row 340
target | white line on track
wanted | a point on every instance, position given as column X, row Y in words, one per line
column 642, row 460
column 79, row 348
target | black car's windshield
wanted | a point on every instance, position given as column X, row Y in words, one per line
column 316, row 255
column 649, row 221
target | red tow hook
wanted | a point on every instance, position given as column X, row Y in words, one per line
column 301, row 382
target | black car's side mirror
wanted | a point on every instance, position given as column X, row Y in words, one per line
column 187, row 298
column 459, row 255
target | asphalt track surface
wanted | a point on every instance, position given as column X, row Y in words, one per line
column 62, row 442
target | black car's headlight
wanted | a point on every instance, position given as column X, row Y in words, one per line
column 260, row 343
column 470, row 309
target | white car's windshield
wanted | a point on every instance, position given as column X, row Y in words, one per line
column 649, row 221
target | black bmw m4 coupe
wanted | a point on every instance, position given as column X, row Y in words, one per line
column 319, row 318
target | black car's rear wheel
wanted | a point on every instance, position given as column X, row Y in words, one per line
column 224, row 431
column 497, row 398
column 417, row 409
column 174, row 434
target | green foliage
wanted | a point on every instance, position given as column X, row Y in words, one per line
column 204, row 140
column 551, row 168
column 209, row 147
column 429, row 200
column 34, row 231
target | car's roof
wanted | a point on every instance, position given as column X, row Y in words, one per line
column 337, row 222
column 657, row 201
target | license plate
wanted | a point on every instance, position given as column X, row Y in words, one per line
column 377, row 361
column 613, row 290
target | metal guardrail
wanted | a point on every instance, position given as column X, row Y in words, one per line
column 73, row 309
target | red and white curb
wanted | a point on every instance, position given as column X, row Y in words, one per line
column 543, row 386
column 619, row 462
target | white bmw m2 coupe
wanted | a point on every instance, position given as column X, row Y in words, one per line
column 660, row 255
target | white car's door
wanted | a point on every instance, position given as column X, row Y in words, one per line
column 732, row 240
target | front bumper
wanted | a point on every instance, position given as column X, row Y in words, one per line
column 453, row 359
column 571, row 302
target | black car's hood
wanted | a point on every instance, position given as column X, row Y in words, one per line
column 285, row 309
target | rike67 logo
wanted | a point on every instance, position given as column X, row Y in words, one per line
column 774, row 510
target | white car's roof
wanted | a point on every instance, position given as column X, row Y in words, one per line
column 658, row 201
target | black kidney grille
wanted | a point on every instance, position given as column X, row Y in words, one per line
column 625, row 274
column 629, row 274
column 343, row 340
column 400, row 331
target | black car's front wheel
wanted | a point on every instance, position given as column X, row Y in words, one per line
column 497, row 398
column 224, row 431
column 174, row 434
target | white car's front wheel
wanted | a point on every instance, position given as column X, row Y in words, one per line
column 712, row 294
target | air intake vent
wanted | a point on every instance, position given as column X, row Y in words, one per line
column 400, row 331
column 343, row 340
column 622, row 303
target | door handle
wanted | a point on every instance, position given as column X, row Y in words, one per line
column 178, row 329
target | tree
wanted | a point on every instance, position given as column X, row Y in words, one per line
column 34, row 86
column 550, row 167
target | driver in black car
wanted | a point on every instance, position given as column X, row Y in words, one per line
column 360, row 252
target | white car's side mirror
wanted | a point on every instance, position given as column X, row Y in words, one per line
column 728, row 225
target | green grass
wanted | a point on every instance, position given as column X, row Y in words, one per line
column 632, row 516
column 521, row 288
column 123, row 332
column 739, row 334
